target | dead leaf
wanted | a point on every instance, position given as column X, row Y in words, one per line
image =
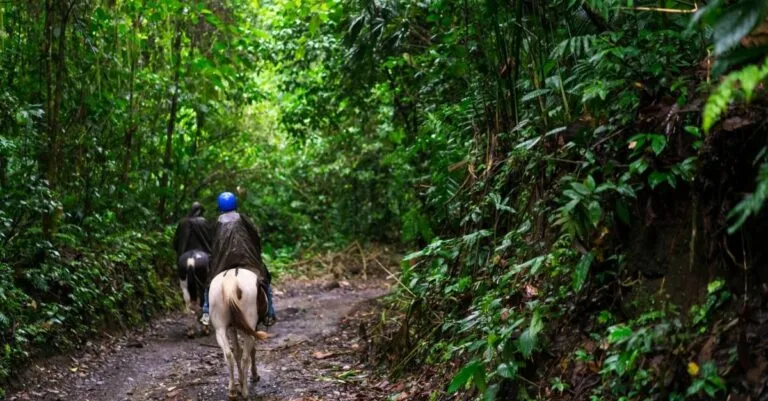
column 531, row 291
column 321, row 354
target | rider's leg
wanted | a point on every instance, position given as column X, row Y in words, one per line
column 201, row 259
column 205, row 318
column 271, row 317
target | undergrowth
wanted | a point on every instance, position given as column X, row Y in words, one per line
column 80, row 292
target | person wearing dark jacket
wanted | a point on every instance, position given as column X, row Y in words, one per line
column 237, row 244
column 193, row 232
column 192, row 243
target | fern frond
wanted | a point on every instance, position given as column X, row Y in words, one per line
column 738, row 83
column 576, row 46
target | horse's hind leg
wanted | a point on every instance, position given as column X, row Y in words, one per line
column 254, row 371
column 229, row 359
column 238, row 358
column 246, row 363
column 184, row 284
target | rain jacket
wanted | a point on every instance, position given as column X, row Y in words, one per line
column 237, row 245
column 193, row 233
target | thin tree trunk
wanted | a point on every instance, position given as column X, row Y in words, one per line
column 516, row 54
column 46, row 70
column 45, row 156
column 171, row 127
column 61, row 67
column 131, row 129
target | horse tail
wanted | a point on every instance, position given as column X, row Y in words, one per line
column 189, row 274
column 232, row 294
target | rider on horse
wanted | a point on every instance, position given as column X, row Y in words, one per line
column 237, row 245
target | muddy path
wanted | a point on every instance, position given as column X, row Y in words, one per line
column 306, row 357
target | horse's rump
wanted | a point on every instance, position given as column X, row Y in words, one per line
column 239, row 292
column 262, row 294
column 193, row 267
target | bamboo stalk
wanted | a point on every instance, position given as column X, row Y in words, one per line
column 664, row 10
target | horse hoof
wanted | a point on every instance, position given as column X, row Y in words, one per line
column 232, row 395
column 255, row 378
column 206, row 330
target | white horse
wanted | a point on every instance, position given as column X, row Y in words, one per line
column 234, row 307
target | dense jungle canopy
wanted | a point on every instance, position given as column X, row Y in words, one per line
column 579, row 182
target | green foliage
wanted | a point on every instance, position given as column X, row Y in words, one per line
column 115, row 116
column 473, row 370
column 717, row 295
column 707, row 382
column 732, row 23
column 752, row 203
column 115, row 282
column 514, row 116
column 510, row 141
column 737, row 85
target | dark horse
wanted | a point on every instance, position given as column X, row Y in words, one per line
column 193, row 267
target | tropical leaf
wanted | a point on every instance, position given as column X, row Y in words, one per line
column 470, row 370
column 581, row 271
column 529, row 338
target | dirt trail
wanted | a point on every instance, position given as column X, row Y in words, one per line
column 306, row 358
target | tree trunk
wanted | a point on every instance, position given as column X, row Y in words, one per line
column 164, row 193
column 58, row 94
column 46, row 156
column 131, row 129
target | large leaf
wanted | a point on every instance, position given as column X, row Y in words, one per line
column 491, row 392
column 581, row 271
column 736, row 22
column 529, row 338
column 462, row 377
column 534, row 94
column 619, row 333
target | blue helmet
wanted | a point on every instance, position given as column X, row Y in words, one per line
column 227, row 202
